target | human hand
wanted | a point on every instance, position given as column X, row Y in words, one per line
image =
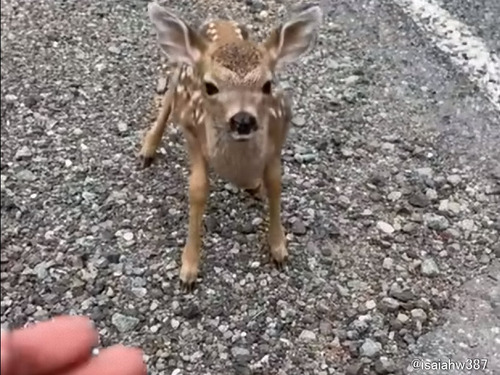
column 63, row 346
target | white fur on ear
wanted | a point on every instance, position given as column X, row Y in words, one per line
column 297, row 36
column 175, row 38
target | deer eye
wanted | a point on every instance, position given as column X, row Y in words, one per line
column 266, row 89
column 211, row 89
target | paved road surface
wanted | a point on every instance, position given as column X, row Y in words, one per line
column 391, row 196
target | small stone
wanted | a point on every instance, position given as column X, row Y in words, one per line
column 389, row 304
column 467, row 225
column 419, row 315
column 161, row 85
column 9, row 98
column 371, row 304
column 419, row 200
column 425, row 172
column 431, row 194
column 26, row 175
column 429, row 268
column 240, row 353
column 454, row 179
column 298, row 227
column 114, row 49
column 174, row 323
column 385, row 227
column 370, row 348
column 403, row 295
column 436, row 222
column 387, row 263
column 299, row 120
column 351, row 80
column 122, row 127
column 124, row 323
column 140, row 292
column 402, row 318
column 128, row 236
column 384, row 366
column 23, row 153
column 355, row 369
column 306, row 335
column 449, row 208
column 394, row 196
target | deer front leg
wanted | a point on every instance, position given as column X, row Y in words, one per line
column 198, row 193
column 276, row 234
column 153, row 137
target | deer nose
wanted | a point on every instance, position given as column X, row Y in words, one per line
column 243, row 123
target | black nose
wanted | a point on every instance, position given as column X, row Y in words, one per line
column 243, row 123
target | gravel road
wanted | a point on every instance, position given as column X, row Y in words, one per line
column 391, row 195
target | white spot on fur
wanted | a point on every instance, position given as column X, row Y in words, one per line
column 180, row 89
column 273, row 112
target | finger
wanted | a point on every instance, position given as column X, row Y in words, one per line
column 47, row 347
column 6, row 354
column 116, row 360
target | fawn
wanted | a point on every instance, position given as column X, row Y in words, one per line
column 234, row 120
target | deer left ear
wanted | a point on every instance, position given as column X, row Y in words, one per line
column 294, row 38
column 179, row 41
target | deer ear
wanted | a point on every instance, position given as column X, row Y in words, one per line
column 294, row 38
column 181, row 43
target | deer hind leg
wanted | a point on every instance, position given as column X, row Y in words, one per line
column 153, row 136
column 276, row 232
column 198, row 193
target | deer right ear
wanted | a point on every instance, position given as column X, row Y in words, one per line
column 181, row 43
column 294, row 38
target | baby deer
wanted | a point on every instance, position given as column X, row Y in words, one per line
column 233, row 118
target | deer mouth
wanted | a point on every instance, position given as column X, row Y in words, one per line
column 241, row 137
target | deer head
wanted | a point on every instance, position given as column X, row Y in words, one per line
column 235, row 74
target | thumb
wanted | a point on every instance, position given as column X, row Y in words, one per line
column 5, row 354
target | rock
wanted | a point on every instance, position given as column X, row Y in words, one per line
column 371, row 304
column 298, row 227
column 370, row 348
column 351, row 80
column 23, row 153
column 389, row 304
column 174, row 323
column 128, row 236
column 114, row 50
column 403, row 295
column 468, row 225
column 436, row 222
column 124, row 323
column 161, row 85
column 419, row 200
column 385, row 227
column 240, row 353
column 122, row 127
column 26, row 175
column 402, row 318
column 429, row 268
column 306, row 335
column 387, row 263
column 431, row 194
column 449, row 208
column 299, row 120
column 454, row 179
column 419, row 315
column 425, row 172
column 394, row 196
column 355, row 369
column 384, row 365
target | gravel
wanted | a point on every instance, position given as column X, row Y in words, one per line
column 378, row 190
